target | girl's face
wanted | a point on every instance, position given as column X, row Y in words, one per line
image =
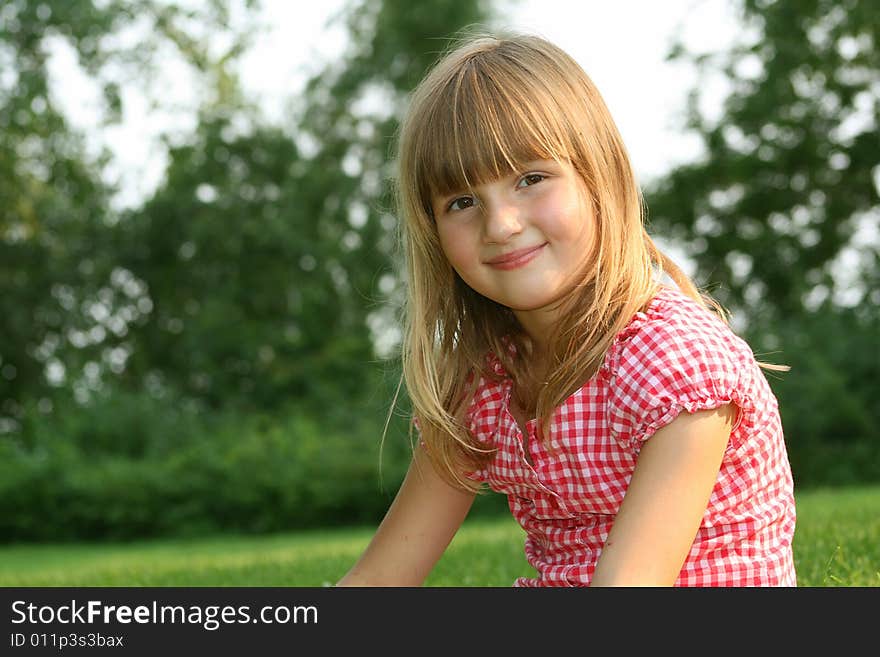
column 521, row 240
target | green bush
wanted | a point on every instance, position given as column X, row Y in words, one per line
column 128, row 465
column 131, row 466
column 830, row 399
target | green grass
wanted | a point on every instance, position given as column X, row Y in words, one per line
column 837, row 537
column 837, row 543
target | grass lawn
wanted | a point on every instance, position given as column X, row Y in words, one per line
column 837, row 543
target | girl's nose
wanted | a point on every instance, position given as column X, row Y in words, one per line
column 501, row 221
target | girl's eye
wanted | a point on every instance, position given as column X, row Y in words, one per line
column 530, row 179
column 461, row 203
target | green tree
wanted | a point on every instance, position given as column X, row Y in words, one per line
column 50, row 201
column 786, row 192
column 268, row 252
column 65, row 305
column 245, row 385
column 780, row 215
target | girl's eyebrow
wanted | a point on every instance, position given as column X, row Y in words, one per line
column 540, row 164
column 531, row 165
column 442, row 198
column 525, row 167
column 440, row 202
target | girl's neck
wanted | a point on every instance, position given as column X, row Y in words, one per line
column 538, row 325
column 531, row 378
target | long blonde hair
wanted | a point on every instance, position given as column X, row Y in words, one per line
column 489, row 105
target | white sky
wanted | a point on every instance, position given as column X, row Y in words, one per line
column 621, row 44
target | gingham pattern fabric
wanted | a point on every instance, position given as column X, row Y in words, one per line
column 675, row 356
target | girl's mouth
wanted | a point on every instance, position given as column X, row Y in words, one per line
column 516, row 259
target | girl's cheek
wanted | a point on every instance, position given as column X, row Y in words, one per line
column 560, row 224
column 450, row 251
column 455, row 245
column 578, row 223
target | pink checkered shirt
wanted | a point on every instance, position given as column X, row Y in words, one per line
column 675, row 356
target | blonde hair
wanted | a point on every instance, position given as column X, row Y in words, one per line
column 489, row 105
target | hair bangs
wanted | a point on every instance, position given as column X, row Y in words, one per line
column 486, row 122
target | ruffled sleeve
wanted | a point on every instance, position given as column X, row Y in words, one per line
column 681, row 360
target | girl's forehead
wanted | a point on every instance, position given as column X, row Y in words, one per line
column 453, row 170
column 486, row 119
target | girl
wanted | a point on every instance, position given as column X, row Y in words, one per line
column 633, row 433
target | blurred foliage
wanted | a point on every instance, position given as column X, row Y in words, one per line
column 781, row 217
column 789, row 172
column 128, row 465
column 219, row 356
column 830, row 400
column 65, row 304
column 213, row 357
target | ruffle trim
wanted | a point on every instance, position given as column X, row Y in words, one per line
column 658, row 418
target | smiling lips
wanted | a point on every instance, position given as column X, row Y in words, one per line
column 516, row 259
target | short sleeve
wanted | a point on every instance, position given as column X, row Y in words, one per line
column 689, row 362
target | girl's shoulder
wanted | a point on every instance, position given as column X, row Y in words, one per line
column 677, row 355
column 674, row 320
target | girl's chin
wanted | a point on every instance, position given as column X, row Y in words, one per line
column 535, row 306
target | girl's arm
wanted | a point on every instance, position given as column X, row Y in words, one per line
column 415, row 532
column 666, row 499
